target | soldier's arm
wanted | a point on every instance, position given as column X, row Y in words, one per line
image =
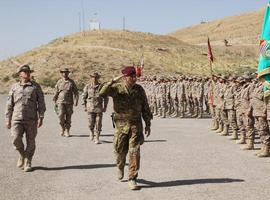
column 146, row 113
column 106, row 90
column 56, row 92
column 9, row 107
column 84, row 95
column 75, row 93
column 40, row 102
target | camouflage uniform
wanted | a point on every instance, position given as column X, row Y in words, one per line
column 25, row 106
column 181, row 97
column 130, row 106
column 248, row 120
column 259, row 114
column 63, row 97
column 94, row 105
column 229, row 114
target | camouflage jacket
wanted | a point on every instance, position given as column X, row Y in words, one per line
column 91, row 99
column 129, row 106
column 25, row 102
column 229, row 93
column 64, row 92
column 257, row 101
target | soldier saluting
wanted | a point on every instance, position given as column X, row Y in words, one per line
column 24, row 114
column 130, row 107
column 66, row 95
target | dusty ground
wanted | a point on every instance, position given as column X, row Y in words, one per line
column 182, row 159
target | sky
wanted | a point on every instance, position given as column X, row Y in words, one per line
column 26, row 24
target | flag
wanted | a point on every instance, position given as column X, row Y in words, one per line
column 210, row 54
column 264, row 54
column 140, row 67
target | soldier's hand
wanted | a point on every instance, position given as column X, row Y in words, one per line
column 104, row 109
column 8, row 125
column 76, row 104
column 147, row 131
column 40, row 122
column 116, row 79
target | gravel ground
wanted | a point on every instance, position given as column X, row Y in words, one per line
column 182, row 159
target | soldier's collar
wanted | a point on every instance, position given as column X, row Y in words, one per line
column 27, row 83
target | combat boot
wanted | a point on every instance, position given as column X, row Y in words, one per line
column 120, row 174
column 249, row 145
column 92, row 135
column 214, row 126
column 27, row 165
column 265, row 151
column 67, row 134
column 220, row 129
column 242, row 139
column 132, row 184
column 20, row 162
column 225, row 131
column 62, row 131
column 97, row 141
column 234, row 135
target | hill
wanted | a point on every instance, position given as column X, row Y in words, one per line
column 243, row 29
column 107, row 51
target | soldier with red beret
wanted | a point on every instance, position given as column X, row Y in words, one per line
column 130, row 107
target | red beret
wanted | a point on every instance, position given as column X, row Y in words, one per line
column 129, row 71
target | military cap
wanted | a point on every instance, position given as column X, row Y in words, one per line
column 25, row 68
column 129, row 71
column 65, row 70
column 246, row 76
column 95, row 75
column 223, row 77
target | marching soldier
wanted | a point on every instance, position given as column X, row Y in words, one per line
column 24, row 114
column 130, row 106
column 66, row 95
column 94, row 106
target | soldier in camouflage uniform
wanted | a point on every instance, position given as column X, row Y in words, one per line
column 246, row 111
column 94, row 106
column 130, row 106
column 65, row 93
column 228, row 112
column 260, row 118
column 24, row 114
column 181, row 96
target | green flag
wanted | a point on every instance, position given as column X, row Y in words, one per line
column 264, row 57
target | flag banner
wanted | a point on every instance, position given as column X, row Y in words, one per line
column 264, row 54
column 210, row 54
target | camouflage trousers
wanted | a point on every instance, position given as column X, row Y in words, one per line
column 198, row 106
column 229, row 118
column 261, row 127
column 127, row 139
column 65, row 113
column 95, row 121
column 29, row 128
column 248, row 127
column 182, row 106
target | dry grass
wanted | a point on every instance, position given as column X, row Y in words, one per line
column 107, row 51
column 238, row 30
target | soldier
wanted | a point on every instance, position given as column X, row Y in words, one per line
column 94, row 106
column 260, row 118
column 228, row 111
column 24, row 114
column 130, row 105
column 65, row 89
column 246, row 110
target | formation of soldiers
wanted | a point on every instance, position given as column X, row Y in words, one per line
column 235, row 103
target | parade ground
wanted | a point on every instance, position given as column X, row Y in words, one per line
column 182, row 159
